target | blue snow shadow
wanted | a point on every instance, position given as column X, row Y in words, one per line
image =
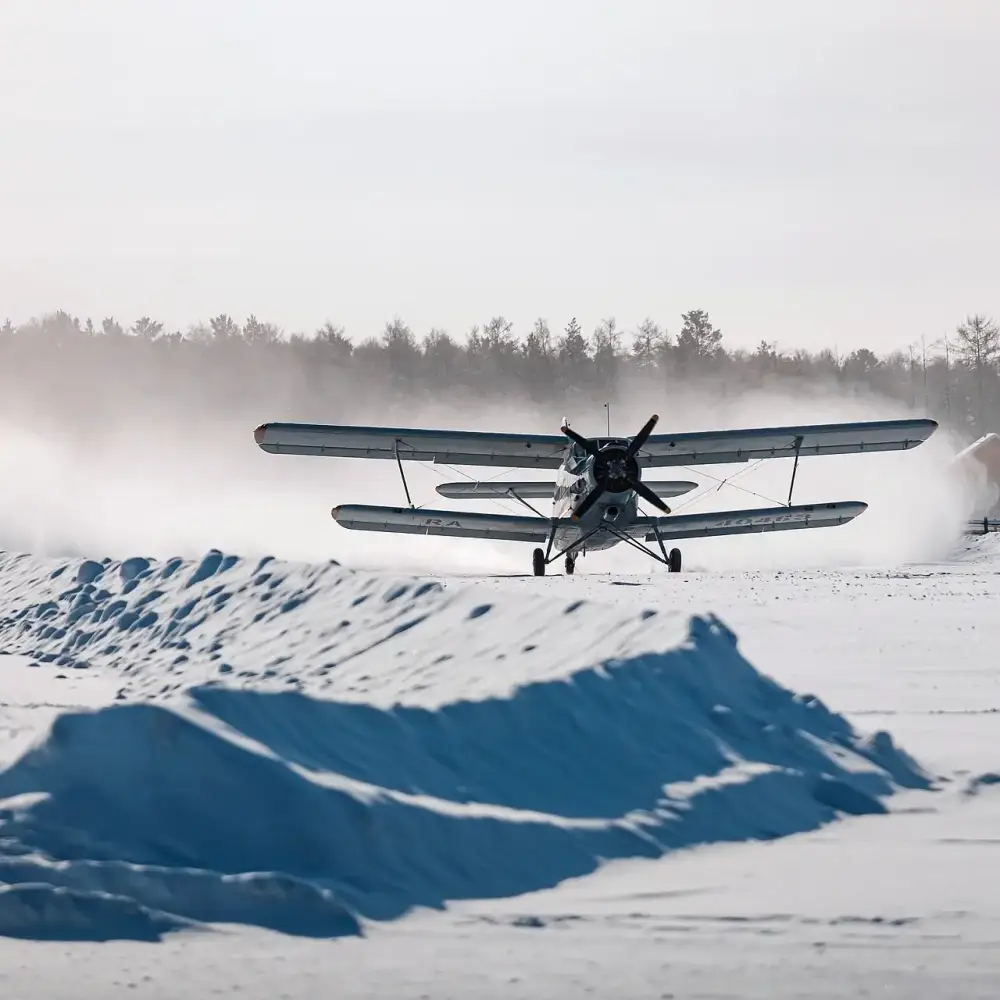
column 302, row 815
column 603, row 743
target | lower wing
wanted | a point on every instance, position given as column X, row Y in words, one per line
column 456, row 524
column 740, row 522
column 513, row 528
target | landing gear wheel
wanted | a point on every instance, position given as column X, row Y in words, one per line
column 674, row 561
column 538, row 562
column 570, row 563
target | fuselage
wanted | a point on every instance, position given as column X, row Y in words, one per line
column 574, row 480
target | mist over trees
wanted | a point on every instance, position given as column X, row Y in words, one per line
column 254, row 370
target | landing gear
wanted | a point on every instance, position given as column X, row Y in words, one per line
column 674, row 561
column 538, row 562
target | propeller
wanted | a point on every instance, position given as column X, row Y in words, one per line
column 615, row 468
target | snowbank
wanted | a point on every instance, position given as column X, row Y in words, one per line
column 316, row 747
column 977, row 550
column 317, row 628
column 42, row 911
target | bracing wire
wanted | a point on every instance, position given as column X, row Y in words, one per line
column 458, row 472
column 727, row 481
column 717, row 484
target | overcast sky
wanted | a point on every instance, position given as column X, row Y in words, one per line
column 813, row 173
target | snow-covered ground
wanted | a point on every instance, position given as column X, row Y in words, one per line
column 307, row 780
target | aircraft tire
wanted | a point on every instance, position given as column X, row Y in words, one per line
column 538, row 562
column 674, row 561
column 570, row 564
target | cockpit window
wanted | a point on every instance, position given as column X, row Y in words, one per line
column 577, row 460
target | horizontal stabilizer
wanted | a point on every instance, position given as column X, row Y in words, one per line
column 741, row 522
column 453, row 523
column 538, row 491
column 496, row 491
column 670, row 488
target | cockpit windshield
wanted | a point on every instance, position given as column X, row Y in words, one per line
column 577, row 461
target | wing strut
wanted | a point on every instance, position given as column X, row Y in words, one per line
column 402, row 475
column 795, row 468
column 514, row 495
column 548, row 548
column 659, row 539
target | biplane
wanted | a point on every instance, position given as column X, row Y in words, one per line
column 598, row 484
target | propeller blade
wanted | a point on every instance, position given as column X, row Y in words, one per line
column 640, row 439
column 589, row 446
column 648, row 495
column 588, row 501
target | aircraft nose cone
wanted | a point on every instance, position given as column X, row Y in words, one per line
column 258, row 434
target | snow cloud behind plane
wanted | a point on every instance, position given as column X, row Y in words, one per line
column 144, row 485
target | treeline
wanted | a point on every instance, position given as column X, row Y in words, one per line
column 326, row 375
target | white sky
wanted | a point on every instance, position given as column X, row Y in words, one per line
column 814, row 173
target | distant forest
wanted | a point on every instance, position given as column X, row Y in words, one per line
column 228, row 366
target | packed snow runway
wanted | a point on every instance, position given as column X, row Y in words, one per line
column 306, row 779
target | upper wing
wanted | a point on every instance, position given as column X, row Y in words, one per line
column 546, row 451
column 526, row 451
column 713, row 447
column 741, row 522
column 457, row 524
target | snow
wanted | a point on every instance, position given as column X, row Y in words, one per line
column 636, row 784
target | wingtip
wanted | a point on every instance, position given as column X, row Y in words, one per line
column 259, row 432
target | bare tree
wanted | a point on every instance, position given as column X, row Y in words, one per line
column 648, row 344
column 539, row 360
column 978, row 346
column 606, row 346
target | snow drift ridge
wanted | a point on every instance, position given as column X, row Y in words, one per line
column 382, row 778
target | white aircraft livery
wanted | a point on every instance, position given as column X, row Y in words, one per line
column 598, row 486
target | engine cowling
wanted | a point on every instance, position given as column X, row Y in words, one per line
column 615, row 468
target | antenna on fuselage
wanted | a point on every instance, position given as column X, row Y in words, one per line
column 607, row 406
